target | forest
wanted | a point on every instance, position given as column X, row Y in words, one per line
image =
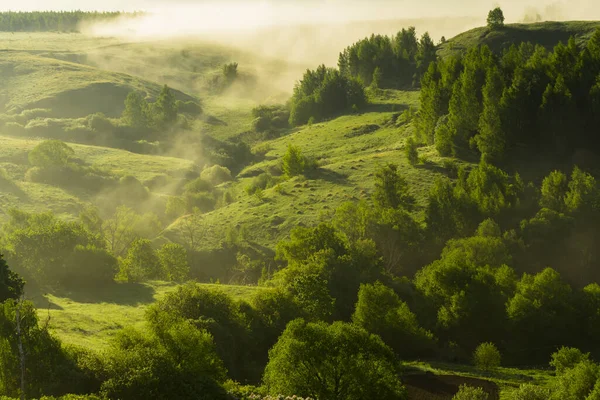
column 59, row 21
column 403, row 218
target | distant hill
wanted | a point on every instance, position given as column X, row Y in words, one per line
column 69, row 90
column 547, row 34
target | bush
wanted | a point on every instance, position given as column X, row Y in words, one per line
column 293, row 162
column 216, row 175
column 531, row 392
column 199, row 185
column 487, row 356
column 205, row 202
column 89, row 266
column 100, row 123
column 566, row 358
column 260, row 182
column 470, row 393
column 411, row 152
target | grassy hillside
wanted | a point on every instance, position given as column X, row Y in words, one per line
column 88, row 318
column 32, row 196
column 348, row 149
column 547, row 34
column 68, row 90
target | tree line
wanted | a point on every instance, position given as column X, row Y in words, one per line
column 50, row 21
column 383, row 61
column 507, row 106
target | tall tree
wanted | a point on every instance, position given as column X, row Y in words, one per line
column 491, row 140
column 391, row 189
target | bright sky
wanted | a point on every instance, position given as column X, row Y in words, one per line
column 325, row 9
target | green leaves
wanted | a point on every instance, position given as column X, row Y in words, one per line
column 51, row 154
column 332, row 362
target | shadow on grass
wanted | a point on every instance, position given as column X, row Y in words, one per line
column 386, row 107
column 327, row 175
column 511, row 375
column 117, row 293
column 432, row 167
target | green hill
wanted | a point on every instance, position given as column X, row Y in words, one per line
column 547, row 34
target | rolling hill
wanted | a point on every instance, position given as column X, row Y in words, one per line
column 547, row 34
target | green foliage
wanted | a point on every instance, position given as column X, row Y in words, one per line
column 577, row 382
column 260, row 182
column 323, row 93
column 470, row 393
column 380, row 311
column 140, row 263
column 293, row 162
column 339, row 361
column 495, row 19
column 45, row 249
column 176, row 361
column 136, row 112
column 215, row 312
column 487, row 356
column 165, row 108
column 531, row 392
column 391, row 189
column 383, row 61
column 49, row 369
column 60, row 21
column 268, row 118
column 230, row 72
column 324, row 272
column 411, row 152
column 506, row 105
column 566, row 358
column 174, row 262
column 51, row 154
column 553, row 191
column 11, row 285
column 542, row 303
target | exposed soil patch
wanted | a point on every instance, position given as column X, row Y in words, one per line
column 443, row 387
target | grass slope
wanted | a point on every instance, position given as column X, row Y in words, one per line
column 349, row 149
column 90, row 318
column 547, row 34
column 37, row 197
column 68, row 89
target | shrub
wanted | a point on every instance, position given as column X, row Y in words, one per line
column 216, row 175
column 470, row 393
column 262, row 182
column 487, row 356
column 51, row 153
column 411, row 151
column 205, row 202
column 89, row 266
column 566, row 358
column 199, row 185
column 100, row 123
column 531, row 392
column 293, row 162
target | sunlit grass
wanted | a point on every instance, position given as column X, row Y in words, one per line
column 90, row 318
